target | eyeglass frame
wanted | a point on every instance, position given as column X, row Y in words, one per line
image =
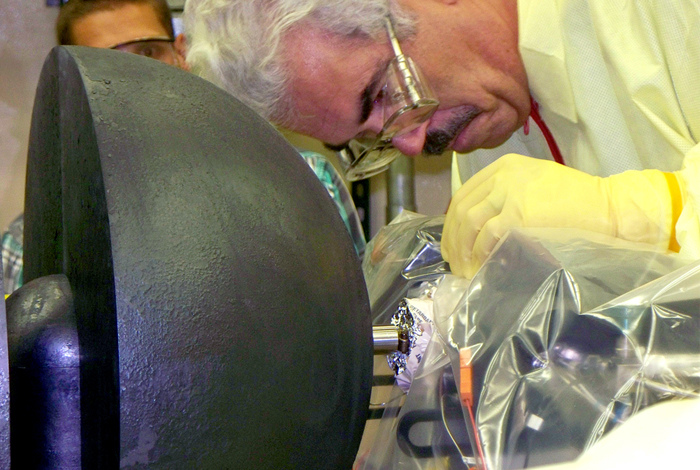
column 167, row 39
column 382, row 142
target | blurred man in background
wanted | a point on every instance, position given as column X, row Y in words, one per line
column 141, row 27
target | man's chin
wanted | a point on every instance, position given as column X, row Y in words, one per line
column 468, row 141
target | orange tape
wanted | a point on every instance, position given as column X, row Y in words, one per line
column 465, row 377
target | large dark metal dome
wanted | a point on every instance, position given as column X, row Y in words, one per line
column 222, row 316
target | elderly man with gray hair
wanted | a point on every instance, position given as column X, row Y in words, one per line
column 575, row 113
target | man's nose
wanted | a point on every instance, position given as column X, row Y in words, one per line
column 411, row 143
column 372, row 127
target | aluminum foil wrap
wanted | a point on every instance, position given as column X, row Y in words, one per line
column 409, row 330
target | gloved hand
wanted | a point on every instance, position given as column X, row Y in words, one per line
column 518, row 191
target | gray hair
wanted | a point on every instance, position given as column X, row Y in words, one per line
column 236, row 43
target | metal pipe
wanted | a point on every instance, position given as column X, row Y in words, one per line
column 400, row 187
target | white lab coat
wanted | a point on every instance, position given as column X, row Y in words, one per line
column 618, row 84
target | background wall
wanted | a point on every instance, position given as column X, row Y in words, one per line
column 26, row 37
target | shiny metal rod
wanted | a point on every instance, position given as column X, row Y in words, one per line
column 386, row 338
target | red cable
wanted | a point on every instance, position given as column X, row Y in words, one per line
column 477, row 438
column 466, row 395
column 535, row 114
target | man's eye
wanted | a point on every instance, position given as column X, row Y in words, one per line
column 147, row 51
column 380, row 96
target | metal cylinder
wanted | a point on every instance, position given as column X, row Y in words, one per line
column 386, row 338
column 400, row 189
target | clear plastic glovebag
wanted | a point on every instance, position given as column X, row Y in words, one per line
column 403, row 260
column 568, row 333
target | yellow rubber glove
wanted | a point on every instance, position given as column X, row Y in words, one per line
column 518, row 191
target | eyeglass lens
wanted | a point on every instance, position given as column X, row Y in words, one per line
column 408, row 101
column 363, row 159
column 161, row 50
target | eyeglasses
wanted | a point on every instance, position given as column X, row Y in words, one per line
column 159, row 48
column 406, row 100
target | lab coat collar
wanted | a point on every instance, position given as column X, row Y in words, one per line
column 542, row 51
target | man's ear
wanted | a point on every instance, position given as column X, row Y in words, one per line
column 180, row 45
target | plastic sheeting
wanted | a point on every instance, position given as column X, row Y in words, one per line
column 569, row 334
column 403, row 260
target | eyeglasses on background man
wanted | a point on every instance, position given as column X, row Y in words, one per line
column 160, row 48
